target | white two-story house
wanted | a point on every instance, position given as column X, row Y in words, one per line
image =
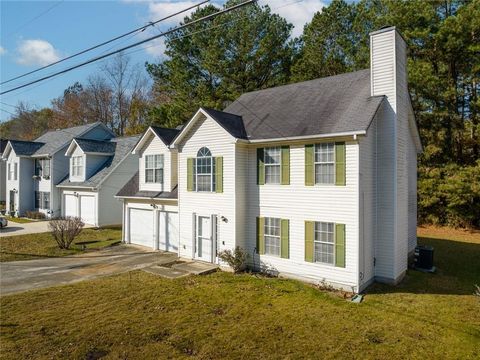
column 34, row 168
column 315, row 180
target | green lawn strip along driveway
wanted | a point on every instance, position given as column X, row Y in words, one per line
column 223, row 316
column 19, row 220
column 33, row 246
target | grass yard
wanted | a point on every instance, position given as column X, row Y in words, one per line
column 19, row 220
column 141, row 316
column 31, row 246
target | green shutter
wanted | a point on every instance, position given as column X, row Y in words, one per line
column 340, row 163
column 309, row 167
column 190, row 174
column 284, row 237
column 309, row 236
column 219, row 174
column 260, row 167
column 340, row 245
column 285, row 165
column 260, row 237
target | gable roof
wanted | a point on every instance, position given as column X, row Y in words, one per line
column 166, row 135
column 230, row 122
column 23, row 148
column 132, row 190
column 331, row 105
column 56, row 139
column 3, row 144
column 123, row 147
column 96, row 146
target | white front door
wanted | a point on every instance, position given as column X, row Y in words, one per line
column 168, row 231
column 87, row 209
column 70, row 205
column 141, row 227
column 204, row 248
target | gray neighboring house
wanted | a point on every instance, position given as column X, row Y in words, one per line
column 3, row 170
column 97, row 171
column 34, row 168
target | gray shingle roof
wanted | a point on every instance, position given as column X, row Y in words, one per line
column 25, row 148
column 123, row 146
column 132, row 189
column 335, row 104
column 56, row 139
column 230, row 122
column 96, row 146
column 3, row 143
column 167, row 135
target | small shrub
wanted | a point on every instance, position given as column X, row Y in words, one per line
column 65, row 230
column 35, row 215
column 235, row 259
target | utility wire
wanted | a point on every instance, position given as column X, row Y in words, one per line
column 208, row 17
column 140, row 29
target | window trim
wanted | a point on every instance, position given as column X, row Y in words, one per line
column 315, row 261
column 77, row 169
column 40, row 167
column 315, row 163
column 278, row 237
column 265, row 165
column 210, row 158
column 154, row 168
column 41, row 200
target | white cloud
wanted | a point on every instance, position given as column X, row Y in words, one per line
column 36, row 52
column 156, row 47
column 161, row 9
column 298, row 13
column 2, row 50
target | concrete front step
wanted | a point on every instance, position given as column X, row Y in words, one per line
column 182, row 268
column 196, row 267
column 165, row 272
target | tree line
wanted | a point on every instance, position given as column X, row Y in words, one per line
column 210, row 64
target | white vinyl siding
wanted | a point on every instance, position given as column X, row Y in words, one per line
column 325, row 163
column 77, row 166
column 324, row 243
column 154, row 169
column 272, row 236
column 272, row 161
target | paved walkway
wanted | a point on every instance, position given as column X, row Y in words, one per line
column 14, row 228
column 18, row 276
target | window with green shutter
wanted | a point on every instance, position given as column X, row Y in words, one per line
column 325, row 243
column 325, row 164
column 219, row 174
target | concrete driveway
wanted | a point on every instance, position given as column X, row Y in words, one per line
column 14, row 228
column 18, row 276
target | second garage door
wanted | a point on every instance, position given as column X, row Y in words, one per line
column 87, row 209
column 168, row 232
column 141, row 227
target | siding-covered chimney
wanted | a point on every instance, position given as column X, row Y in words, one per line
column 388, row 66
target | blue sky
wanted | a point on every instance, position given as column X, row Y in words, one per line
column 36, row 33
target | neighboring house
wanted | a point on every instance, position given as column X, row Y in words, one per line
column 34, row 168
column 98, row 170
column 150, row 197
column 315, row 180
column 3, row 171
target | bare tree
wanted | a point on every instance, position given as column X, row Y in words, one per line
column 65, row 229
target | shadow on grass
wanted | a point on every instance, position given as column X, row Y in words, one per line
column 10, row 229
column 458, row 270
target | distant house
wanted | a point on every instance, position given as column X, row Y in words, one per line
column 315, row 180
column 34, row 168
column 3, row 171
column 98, row 169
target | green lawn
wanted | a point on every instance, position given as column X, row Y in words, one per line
column 223, row 316
column 25, row 247
column 19, row 220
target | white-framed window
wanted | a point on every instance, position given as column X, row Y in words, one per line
column 271, row 235
column 324, row 243
column 9, row 171
column 15, row 171
column 154, row 169
column 325, row 163
column 272, row 159
column 204, row 171
column 42, row 167
column 77, row 165
column 42, row 200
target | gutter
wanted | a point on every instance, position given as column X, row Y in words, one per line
column 306, row 137
column 144, row 198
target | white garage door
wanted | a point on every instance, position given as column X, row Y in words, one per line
column 141, row 227
column 87, row 209
column 168, row 233
column 70, row 205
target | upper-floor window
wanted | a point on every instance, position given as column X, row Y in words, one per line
column 272, row 160
column 12, row 171
column 204, row 171
column 325, row 163
column 42, row 167
column 324, row 243
column 154, row 169
column 77, row 165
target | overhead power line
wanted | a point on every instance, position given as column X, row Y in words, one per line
column 140, row 29
column 204, row 18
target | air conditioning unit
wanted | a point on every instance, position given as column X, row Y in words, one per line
column 424, row 258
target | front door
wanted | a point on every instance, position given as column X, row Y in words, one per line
column 204, row 247
column 12, row 200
